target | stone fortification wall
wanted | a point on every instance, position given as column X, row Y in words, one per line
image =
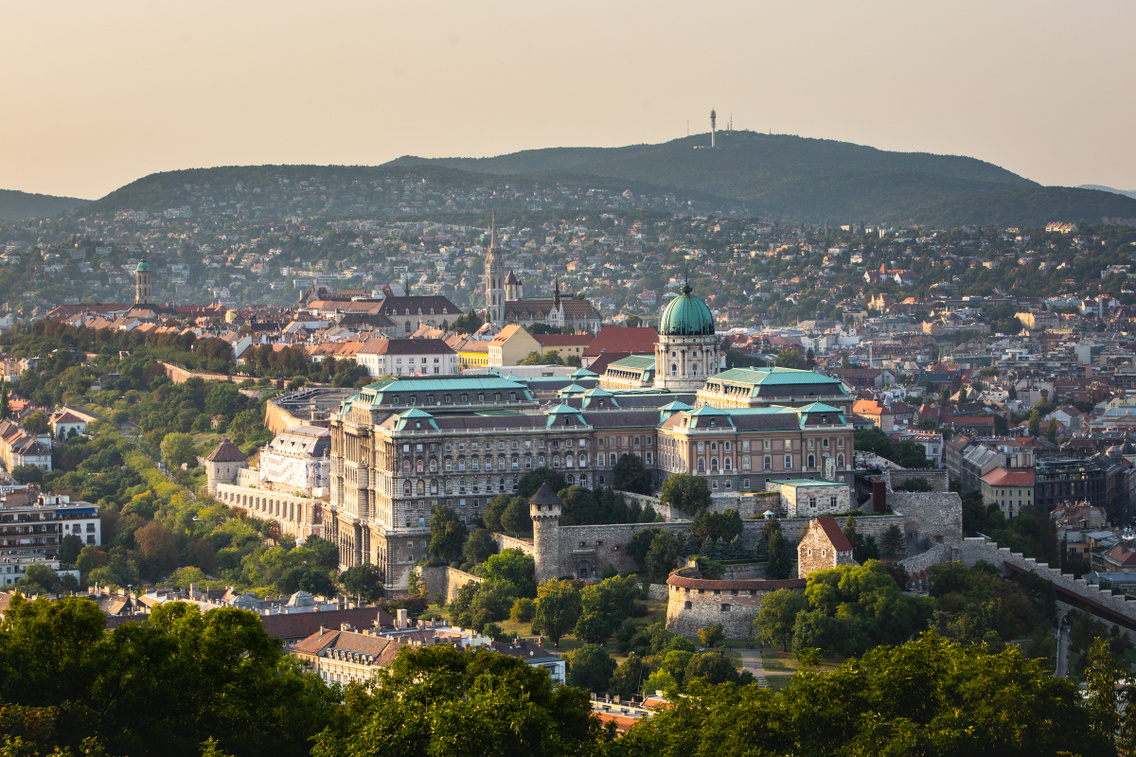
column 746, row 571
column 938, row 553
column 936, row 477
column 694, row 603
column 593, row 548
column 584, row 551
column 444, row 581
column 179, row 375
column 748, row 504
column 936, row 516
column 505, row 541
column 980, row 548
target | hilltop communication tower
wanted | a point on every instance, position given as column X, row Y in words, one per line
column 713, row 124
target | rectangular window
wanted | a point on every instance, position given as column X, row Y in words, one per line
column 788, row 462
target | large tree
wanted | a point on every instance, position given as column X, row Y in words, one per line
column 532, row 481
column 178, row 449
column 590, row 667
column 363, row 581
column 779, row 551
column 686, row 492
column 198, row 676
column 557, row 609
column 438, row 700
column 631, row 475
column 777, row 616
column 925, row 697
column 479, row 546
column 447, row 535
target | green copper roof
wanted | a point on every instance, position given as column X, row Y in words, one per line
column 819, row 407
column 564, row 411
column 143, row 265
column 773, row 377
column 582, row 373
column 634, row 362
column 795, row 482
column 676, row 406
column 572, row 389
column 442, row 384
column 408, row 417
column 686, row 315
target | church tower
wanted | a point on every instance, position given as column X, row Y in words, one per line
column 494, row 280
column 143, row 295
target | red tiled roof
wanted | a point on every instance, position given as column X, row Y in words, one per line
column 623, row 339
column 1013, row 477
column 226, row 452
column 832, row 530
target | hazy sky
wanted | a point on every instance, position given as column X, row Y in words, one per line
column 96, row 94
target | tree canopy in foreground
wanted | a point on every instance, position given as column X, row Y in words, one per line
column 927, row 697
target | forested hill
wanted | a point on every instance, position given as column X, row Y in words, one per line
column 780, row 177
column 16, row 206
column 815, row 180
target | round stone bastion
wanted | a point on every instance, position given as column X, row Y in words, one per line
column 694, row 603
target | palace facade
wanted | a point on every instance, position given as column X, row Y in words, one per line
column 404, row 445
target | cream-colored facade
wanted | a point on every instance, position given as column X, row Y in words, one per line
column 511, row 345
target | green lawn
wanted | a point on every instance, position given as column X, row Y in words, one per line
column 776, row 661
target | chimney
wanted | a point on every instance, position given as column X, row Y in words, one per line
column 401, row 621
column 879, row 495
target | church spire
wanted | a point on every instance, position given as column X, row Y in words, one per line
column 494, row 279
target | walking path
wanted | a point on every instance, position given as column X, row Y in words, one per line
column 751, row 661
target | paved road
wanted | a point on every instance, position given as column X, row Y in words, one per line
column 1062, row 652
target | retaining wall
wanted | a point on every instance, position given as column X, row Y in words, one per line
column 444, row 581
column 510, row 542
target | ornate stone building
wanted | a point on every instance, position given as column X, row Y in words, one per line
column 687, row 351
column 505, row 303
column 823, row 545
column 404, row 445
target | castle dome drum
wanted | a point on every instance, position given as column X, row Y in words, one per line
column 686, row 315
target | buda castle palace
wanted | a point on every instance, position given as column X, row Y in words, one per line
column 405, row 444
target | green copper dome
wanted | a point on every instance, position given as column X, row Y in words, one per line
column 143, row 265
column 686, row 315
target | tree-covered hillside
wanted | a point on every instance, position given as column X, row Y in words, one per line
column 16, row 206
column 817, row 180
